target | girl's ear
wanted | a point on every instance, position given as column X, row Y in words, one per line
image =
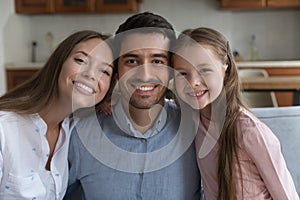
column 226, row 67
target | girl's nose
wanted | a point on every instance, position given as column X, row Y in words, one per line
column 196, row 80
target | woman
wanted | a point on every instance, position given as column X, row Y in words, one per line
column 34, row 123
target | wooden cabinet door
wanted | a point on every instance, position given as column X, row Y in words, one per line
column 283, row 3
column 34, row 6
column 116, row 6
column 74, row 6
column 15, row 77
column 243, row 3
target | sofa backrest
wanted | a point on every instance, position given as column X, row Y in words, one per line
column 285, row 123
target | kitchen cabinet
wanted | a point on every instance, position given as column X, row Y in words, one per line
column 116, row 5
column 283, row 3
column 80, row 6
column 259, row 4
column 34, row 6
column 15, row 77
column 75, row 6
column 243, row 3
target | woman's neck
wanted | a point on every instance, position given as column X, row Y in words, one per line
column 54, row 115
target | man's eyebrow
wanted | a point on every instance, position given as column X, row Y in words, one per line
column 159, row 55
column 129, row 55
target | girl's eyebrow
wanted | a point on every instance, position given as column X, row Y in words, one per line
column 203, row 65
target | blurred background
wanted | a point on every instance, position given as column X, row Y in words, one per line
column 273, row 33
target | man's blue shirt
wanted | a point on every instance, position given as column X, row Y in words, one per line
column 130, row 165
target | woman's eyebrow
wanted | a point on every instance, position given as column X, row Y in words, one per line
column 82, row 52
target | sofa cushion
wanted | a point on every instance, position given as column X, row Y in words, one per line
column 285, row 123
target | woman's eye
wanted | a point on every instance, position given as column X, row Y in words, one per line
column 105, row 72
column 79, row 60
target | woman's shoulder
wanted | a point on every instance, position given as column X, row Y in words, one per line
column 5, row 115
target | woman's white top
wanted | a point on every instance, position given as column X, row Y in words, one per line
column 24, row 152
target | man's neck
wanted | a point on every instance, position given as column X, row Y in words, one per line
column 143, row 119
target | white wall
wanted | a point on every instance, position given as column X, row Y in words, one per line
column 277, row 31
column 5, row 9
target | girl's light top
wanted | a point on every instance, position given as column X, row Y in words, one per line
column 264, row 171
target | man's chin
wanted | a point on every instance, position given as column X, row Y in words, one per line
column 141, row 105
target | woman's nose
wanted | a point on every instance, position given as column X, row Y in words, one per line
column 89, row 71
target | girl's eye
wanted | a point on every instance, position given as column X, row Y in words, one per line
column 203, row 70
column 180, row 74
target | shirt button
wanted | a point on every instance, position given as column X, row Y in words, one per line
column 143, row 140
column 141, row 173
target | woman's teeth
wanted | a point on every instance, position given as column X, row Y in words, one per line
column 84, row 87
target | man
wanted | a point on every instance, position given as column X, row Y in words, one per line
column 143, row 150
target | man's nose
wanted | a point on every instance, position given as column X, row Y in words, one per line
column 145, row 71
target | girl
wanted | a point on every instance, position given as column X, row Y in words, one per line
column 239, row 157
column 34, row 123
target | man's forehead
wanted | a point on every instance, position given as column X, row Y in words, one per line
column 138, row 41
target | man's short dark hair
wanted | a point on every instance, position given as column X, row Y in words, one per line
column 145, row 22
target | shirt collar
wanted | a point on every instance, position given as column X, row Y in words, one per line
column 125, row 124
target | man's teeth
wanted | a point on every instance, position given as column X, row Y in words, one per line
column 84, row 87
column 145, row 88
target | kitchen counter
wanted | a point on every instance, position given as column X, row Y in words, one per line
column 24, row 66
column 267, row 64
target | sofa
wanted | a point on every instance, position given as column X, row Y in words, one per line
column 285, row 123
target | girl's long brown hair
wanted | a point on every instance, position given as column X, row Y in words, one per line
column 39, row 92
column 228, row 144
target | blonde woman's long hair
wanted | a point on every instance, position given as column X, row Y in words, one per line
column 228, row 144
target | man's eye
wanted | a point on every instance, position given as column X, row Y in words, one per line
column 157, row 62
column 131, row 61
